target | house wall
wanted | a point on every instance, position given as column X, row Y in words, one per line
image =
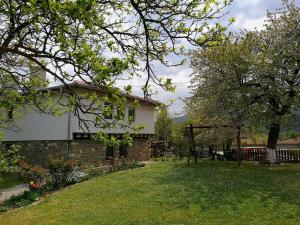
column 144, row 115
column 35, row 126
column 43, row 135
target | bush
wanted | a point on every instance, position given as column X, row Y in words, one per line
column 20, row 200
column 3, row 209
column 94, row 172
column 131, row 166
column 61, row 170
column 9, row 159
column 36, row 174
column 76, row 177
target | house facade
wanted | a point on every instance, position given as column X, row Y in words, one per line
column 42, row 135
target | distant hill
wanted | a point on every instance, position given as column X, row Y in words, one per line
column 180, row 119
column 295, row 126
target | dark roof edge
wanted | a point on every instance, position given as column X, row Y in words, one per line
column 82, row 84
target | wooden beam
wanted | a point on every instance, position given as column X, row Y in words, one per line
column 213, row 126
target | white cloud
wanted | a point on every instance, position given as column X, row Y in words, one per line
column 250, row 24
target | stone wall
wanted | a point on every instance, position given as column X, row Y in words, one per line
column 38, row 152
column 140, row 149
column 89, row 152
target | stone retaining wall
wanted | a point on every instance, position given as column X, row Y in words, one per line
column 88, row 152
column 38, row 152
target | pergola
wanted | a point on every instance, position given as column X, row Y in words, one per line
column 192, row 140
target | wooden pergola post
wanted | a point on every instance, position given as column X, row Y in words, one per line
column 192, row 141
column 238, row 136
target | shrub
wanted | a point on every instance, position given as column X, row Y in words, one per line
column 131, row 166
column 61, row 170
column 76, row 177
column 3, row 209
column 92, row 172
column 20, row 200
column 9, row 159
column 36, row 174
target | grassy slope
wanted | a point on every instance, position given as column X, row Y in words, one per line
column 173, row 193
column 8, row 180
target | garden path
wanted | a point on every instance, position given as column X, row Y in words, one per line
column 7, row 193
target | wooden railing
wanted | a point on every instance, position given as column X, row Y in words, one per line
column 253, row 154
column 288, row 155
column 282, row 155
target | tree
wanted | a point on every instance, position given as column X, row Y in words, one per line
column 95, row 41
column 164, row 127
column 9, row 159
column 253, row 77
column 280, row 71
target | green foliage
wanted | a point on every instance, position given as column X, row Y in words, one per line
column 96, row 172
column 252, row 78
column 9, row 159
column 8, row 180
column 94, row 41
column 60, row 170
column 289, row 135
column 164, row 127
column 20, row 200
column 133, row 165
column 112, row 141
column 181, row 142
column 36, row 174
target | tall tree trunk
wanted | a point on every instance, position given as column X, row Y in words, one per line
column 273, row 135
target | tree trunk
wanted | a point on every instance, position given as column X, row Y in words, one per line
column 272, row 142
column 273, row 135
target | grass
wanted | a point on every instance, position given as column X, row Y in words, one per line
column 8, row 180
column 175, row 194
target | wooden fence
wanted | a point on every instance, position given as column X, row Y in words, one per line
column 253, row 154
column 288, row 155
column 282, row 155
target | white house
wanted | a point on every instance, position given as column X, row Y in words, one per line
column 41, row 135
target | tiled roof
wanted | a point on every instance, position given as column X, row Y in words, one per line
column 90, row 86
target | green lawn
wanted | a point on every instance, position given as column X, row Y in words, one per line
column 8, row 180
column 174, row 193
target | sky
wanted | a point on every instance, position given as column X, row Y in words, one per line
column 250, row 14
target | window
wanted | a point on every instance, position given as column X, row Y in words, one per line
column 109, row 152
column 131, row 114
column 123, row 150
column 108, row 110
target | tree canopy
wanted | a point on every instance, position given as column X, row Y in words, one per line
column 96, row 41
column 252, row 77
column 164, row 127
